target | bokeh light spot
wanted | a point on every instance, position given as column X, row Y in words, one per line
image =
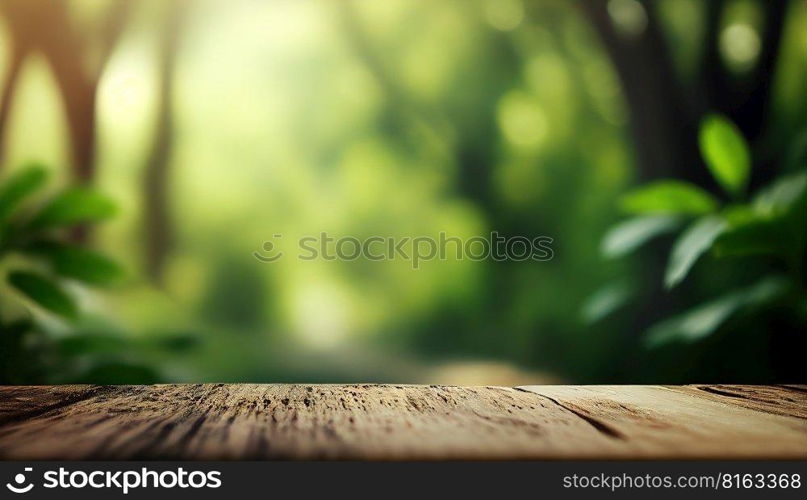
column 504, row 15
column 628, row 16
column 739, row 45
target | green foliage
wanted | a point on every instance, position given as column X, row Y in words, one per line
column 120, row 373
column 705, row 319
column 772, row 224
column 725, row 152
column 753, row 237
column 74, row 206
column 19, row 187
column 779, row 198
column 79, row 263
column 605, row 301
column 769, row 225
column 631, row 234
column 18, row 364
column 44, row 292
column 36, row 260
column 31, row 235
column 668, row 197
column 471, row 122
column 693, row 242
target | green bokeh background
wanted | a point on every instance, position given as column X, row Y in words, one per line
column 393, row 118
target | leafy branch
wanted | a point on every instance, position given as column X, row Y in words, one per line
column 766, row 225
column 37, row 236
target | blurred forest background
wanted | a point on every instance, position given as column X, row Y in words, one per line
column 149, row 147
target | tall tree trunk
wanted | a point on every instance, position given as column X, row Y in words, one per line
column 65, row 52
column 45, row 26
column 753, row 98
column 158, row 223
column 662, row 124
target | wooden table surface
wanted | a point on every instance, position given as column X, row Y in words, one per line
column 389, row 422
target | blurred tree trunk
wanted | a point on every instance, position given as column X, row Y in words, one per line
column 663, row 127
column 158, row 223
column 45, row 26
column 663, row 122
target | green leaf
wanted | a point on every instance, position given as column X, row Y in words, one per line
column 696, row 240
column 705, row 319
column 772, row 225
column 79, row 263
column 737, row 215
column 88, row 266
column 18, row 187
column 629, row 235
column 777, row 198
column 725, row 152
column 669, row 197
column 74, row 206
column 755, row 237
column 44, row 292
column 605, row 301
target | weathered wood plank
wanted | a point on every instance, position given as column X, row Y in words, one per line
column 219, row 421
column 795, row 387
column 667, row 421
column 17, row 403
column 776, row 400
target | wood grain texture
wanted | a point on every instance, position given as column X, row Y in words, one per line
column 392, row 422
